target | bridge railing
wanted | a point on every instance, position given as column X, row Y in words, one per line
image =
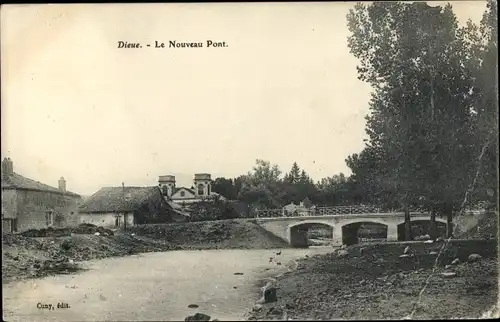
column 327, row 211
column 337, row 210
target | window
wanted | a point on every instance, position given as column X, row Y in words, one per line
column 49, row 218
column 183, row 193
column 201, row 189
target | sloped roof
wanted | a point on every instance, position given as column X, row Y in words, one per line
column 17, row 181
column 180, row 188
column 118, row 199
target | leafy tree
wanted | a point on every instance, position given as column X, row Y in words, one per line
column 261, row 185
column 420, row 148
column 483, row 52
column 225, row 187
column 215, row 210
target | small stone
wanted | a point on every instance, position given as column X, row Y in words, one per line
column 342, row 253
column 474, row 258
column 198, row 317
column 404, row 255
column 456, row 261
column 260, row 301
column 193, row 306
column 97, row 234
column 433, row 253
column 238, row 273
column 448, row 274
column 275, row 311
column 257, row 308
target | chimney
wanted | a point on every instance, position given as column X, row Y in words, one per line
column 7, row 167
column 62, row 184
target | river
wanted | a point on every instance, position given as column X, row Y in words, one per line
column 152, row 286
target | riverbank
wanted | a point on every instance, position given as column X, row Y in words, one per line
column 159, row 286
column 375, row 282
column 62, row 250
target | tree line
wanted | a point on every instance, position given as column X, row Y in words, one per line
column 266, row 186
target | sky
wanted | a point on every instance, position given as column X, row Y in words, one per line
column 284, row 89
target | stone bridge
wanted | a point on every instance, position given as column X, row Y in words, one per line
column 294, row 229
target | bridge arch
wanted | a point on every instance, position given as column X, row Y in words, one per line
column 420, row 226
column 364, row 220
column 298, row 231
column 348, row 232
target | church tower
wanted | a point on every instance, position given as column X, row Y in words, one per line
column 167, row 185
column 202, row 184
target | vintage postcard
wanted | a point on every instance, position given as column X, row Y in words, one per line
column 249, row 161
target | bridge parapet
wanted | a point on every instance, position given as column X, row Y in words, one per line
column 329, row 211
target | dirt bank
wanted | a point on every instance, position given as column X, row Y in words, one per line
column 486, row 227
column 222, row 234
column 374, row 282
column 60, row 250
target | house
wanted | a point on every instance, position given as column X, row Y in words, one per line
column 116, row 207
column 201, row 190
column 29, row 204
column 304, row 208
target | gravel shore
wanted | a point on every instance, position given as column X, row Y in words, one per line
column 374, row 282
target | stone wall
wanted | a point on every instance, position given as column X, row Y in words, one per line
column 32, row 206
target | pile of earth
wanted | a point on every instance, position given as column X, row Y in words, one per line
column 35, row 257
column 381, row 282
column 486, row 228
column 219, row 234
column 67, row 231
column 48, row 251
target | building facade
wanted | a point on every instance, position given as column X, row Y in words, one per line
column 122, row 207
column 29, row 204
column 200, row 191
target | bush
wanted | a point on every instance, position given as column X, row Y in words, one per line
column 218, row 210
column 67, row 244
